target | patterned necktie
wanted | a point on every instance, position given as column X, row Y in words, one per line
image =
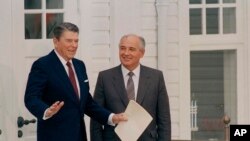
column 130, row 87
column 72, row 78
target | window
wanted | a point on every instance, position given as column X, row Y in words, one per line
column 41, row 16
column 212, row 17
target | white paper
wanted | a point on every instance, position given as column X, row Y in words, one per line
column 138, row 120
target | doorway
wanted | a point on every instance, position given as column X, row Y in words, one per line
column 213, row 93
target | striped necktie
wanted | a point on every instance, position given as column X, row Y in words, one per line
column 130, row 87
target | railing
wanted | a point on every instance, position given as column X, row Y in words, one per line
column 193, row 114
column 194, row 126
column 226, row 121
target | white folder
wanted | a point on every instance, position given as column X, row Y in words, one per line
column 138, row 120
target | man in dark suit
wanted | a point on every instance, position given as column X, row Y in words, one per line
column 148, row 90
column 57, row 91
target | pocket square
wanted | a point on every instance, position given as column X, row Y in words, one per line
column 86, row 80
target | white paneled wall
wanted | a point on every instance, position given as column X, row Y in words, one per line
column 100, row 32
column 104, row 27
column 148, row 31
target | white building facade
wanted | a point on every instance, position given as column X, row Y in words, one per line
column 200, row 45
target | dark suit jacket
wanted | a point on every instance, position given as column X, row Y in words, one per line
column 152, row 96
column 48, row 82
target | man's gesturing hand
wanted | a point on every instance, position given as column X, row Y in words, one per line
column 54, row 108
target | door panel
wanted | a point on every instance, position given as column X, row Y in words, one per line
column 8, row 96
column 20, row 46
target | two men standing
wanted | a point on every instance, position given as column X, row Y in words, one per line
column 57, row 92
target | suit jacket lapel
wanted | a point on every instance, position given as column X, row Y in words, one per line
column 62, row 74
column 81, row 79
column 120, row 87
column 143, row 84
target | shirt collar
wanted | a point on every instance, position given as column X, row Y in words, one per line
column 61, row 58
column 136, row 71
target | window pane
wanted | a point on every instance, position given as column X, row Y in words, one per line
column 211, row 1
column 33, row 29
column 32, row 4
column 195, row 21
column 52, row 19
column 194, row 1
column 212, row 20
column 229, row 20
column 54, row 4
column 228, row 1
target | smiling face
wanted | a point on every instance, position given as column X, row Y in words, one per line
column 130, row 51
column 66, row 45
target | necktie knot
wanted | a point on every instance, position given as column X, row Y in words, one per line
column 68, row 64
column 130, row 74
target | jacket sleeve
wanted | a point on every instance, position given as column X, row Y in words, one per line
column 163, row 117
column 34, row 90
column 96, row 129
column 91, row 107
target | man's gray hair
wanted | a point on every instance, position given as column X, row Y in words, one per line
column 142, row 40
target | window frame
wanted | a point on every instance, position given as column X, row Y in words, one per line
column 44, row 11
column 234, row 37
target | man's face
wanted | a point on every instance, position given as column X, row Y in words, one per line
column 67, row 44
column 130, row 52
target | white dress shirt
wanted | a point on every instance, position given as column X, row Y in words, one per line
column 67, row 69
column 135, row 77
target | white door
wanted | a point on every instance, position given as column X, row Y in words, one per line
column 8, row 97
column 29, row 31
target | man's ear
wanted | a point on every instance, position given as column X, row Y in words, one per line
column 142, row 52
column 55, row 41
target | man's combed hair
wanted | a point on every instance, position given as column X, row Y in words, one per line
column 142, row 40
column 66, row 26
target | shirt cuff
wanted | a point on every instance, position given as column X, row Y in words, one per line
column 110, row 121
